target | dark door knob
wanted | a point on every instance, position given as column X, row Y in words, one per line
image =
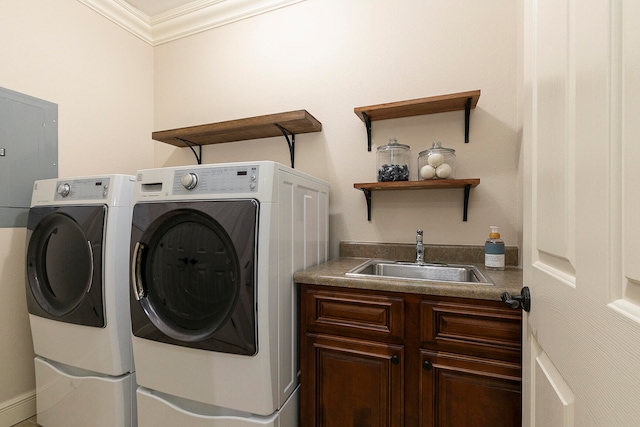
column 395, row 359
column 514, row 301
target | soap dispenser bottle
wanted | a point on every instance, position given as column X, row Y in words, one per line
column 494, row 251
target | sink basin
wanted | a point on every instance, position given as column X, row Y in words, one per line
column 456, row 273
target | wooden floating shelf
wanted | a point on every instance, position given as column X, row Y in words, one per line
column 417, row 107
column 295, row 122
column 430, row 184
column 270, row 125
column 418, row 185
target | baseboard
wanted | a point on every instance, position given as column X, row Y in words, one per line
column 18, row 409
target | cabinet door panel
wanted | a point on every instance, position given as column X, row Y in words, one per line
column 461, row 391
column 354, row 384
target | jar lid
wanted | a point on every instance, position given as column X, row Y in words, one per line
column 437, row 148
column 393, row 145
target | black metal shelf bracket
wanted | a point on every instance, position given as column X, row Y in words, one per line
column 467, row 114
column 367, row 124
column 465, row 209
column 290, row 142
column 367, row 196
column 467, row 191
column 191, row 145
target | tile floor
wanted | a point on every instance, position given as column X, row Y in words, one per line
column 31, row 422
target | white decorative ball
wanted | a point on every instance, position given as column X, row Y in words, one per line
column 435, row 159
column 443, row 171
column 427, row 172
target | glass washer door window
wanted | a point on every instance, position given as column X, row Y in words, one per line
column 194, row 274
column 64, row 263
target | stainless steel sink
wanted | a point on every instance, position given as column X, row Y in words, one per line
column 456, row 273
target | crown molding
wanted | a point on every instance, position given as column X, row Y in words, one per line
column 183, row 21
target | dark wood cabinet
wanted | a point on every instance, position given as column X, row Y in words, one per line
column 352, row 358
column 459, row 391
column 356, row 382
column 373, row 358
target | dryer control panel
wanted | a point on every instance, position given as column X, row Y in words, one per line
column 214, row 180
column 82, row 189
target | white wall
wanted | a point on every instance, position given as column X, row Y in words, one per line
column 101, row 77
column 325, row 56
column 333, row 55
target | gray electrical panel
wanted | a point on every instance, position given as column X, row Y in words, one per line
column 28, row 151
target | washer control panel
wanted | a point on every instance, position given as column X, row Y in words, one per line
column 82, row 189
column 212, row 180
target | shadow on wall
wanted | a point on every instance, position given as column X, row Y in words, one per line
column 17, row 376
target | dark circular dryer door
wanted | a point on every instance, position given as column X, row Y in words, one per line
column 64, row 259
column 194, row 276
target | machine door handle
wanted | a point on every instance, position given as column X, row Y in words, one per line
column 136, row 272
column 514, row 301
column 91, row 266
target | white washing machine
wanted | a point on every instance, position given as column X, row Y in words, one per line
column 78, row 300
column 213, row 304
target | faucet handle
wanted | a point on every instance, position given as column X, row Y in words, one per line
column 419, row 235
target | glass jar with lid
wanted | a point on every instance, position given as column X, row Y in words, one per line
column 393, row 161
column 437, row 162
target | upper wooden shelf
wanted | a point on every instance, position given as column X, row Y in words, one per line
column 467, row 184
column 417, row 107
column 270, row 125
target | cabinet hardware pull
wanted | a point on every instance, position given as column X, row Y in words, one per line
column 426, row 365
column 395, row 359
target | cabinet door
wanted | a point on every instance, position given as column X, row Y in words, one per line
column 351, row 383
column 463, row 391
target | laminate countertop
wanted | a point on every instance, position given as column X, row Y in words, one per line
column 332, row 273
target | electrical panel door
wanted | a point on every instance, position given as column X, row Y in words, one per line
column 28, row 152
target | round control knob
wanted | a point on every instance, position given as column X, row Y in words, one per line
column 63, row 189
column 189, row 180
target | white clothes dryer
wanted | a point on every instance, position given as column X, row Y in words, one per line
column 213, row 304
column 77, row 295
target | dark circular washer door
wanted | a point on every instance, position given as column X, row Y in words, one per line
column 193, row 274
column 64, row 260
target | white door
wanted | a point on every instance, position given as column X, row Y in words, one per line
column 581, row 350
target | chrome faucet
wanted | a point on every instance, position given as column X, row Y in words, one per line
column 419, row 248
